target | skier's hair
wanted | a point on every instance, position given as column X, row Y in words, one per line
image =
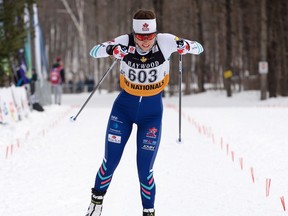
column 144, row 14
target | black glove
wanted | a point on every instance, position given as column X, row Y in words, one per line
column 180, row 43
column 118, row 51
column 182, row 46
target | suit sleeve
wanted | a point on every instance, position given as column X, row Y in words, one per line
column 167, row 43
column 194, row 47
column 99, row 51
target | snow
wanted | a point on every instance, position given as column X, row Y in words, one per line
column 48, row 163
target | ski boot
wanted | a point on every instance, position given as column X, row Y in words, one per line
column 149, row 212
column 95, row 207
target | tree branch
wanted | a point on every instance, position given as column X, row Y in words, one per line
column 72, row 15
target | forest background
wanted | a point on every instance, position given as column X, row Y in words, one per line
column 236, row 35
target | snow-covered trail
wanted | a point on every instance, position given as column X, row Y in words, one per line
column 54, row 162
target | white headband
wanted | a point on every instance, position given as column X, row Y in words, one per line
column 144, row 26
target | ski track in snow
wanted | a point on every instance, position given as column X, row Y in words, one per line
column 48, row 164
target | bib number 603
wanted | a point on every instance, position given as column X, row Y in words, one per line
column 143, row 76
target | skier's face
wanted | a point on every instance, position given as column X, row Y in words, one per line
column 145, row 42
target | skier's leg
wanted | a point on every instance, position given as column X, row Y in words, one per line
column 117, row 134
column 56, row 94
column 148, row 140
column 59, row 94
column 118, row 131
column 53, row 90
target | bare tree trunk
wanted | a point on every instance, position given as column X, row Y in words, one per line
column 228, row 66
column 215, row 40
column 272, row 51
column 79, row 24
column 263, row 48
column 283, row 39
column 240, row 44
column 201, row 66
column 222, row 39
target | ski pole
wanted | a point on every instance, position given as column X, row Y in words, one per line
column 73, row 118
column 180, row 96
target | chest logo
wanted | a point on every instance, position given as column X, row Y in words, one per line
column 143, row 59
column 131, row 49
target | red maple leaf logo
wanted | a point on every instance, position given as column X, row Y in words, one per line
column 145, row 27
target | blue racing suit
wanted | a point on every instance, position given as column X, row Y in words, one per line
column 146, row 113
column 143, row 77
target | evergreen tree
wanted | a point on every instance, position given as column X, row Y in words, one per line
column 12, row 34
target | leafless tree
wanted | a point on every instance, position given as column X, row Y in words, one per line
column 232, row 33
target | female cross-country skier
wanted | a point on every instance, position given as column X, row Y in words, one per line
column 144, row 73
